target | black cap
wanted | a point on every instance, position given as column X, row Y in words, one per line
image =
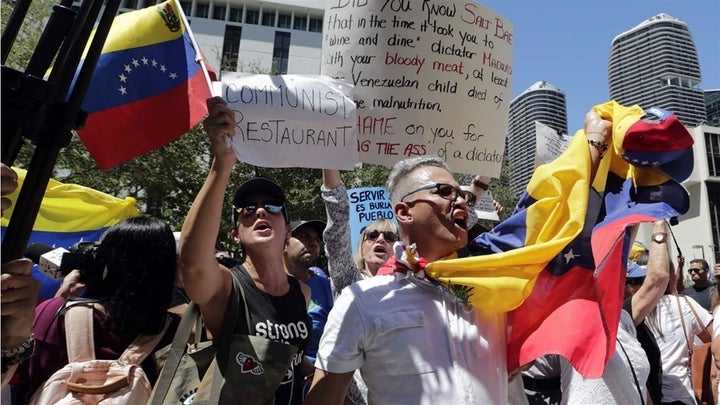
column 258, row 185
column 317, row 225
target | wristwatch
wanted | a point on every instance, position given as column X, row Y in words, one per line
column 659, row 237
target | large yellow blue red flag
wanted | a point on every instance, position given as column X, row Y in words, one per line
column 148, row 88
column 558, row 263
column 69, row 213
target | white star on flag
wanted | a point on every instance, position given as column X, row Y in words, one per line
column 569, row 256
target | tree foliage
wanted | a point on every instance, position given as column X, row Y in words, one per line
column 29, row 33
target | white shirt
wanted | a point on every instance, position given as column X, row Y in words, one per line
column 667, row 327
column 618, row 384
column 414, row 343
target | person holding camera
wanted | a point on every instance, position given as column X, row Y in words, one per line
column 129, row 277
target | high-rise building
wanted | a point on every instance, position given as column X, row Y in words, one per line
column 540, row 102
column 655, row 64
column 712, row 107
column 698, row 232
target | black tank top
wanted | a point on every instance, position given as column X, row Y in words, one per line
column 281, row 318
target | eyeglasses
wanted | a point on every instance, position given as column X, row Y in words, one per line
column 634, row 281
column 248, row 208
column 447, row 192
column 389, row 236
column 694, row 270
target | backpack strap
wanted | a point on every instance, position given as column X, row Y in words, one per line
column 79, row 336
column 142, row 346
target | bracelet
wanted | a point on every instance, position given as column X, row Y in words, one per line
column 479, row 184
column 602, row 147
column 16, row 355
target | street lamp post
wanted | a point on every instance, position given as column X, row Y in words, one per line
column 702, row 249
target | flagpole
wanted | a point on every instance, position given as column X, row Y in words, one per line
column 199, row 59
column 198, row 55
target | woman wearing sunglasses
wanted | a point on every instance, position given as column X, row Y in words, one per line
column 277, row 303
column 374, row 247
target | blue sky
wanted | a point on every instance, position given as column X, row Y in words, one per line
column 567, row 42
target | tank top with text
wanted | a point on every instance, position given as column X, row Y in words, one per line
column 283, row 319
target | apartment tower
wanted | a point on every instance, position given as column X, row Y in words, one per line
column 540, row 102
column 655, row 64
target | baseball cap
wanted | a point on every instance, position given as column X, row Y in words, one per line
column 318, row 226
column 635, row 270
column 659, row 141
column 637, row 250
column 258, row 185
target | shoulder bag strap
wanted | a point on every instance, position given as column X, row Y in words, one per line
column 79, row 334
column 177, row 350
column 237, row 297
column 637, row 384
column 142, row 346
column 704, row 336
column 215, row 371
column 682, row 321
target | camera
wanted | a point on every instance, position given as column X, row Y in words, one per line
column 82, row 256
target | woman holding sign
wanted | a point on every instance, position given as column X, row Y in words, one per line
column 374, row 247
column 276, row 302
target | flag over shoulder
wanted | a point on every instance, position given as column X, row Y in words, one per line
column 148, row 88
column 558, row 263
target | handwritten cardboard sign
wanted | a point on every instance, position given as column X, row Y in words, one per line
column 292, row 120
column 549, row 144
column 430, row 77
column 367, row 204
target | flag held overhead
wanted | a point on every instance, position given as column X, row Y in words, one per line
column 559, row 262
column 148, row 88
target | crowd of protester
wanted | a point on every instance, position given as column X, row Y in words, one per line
column 368, row 329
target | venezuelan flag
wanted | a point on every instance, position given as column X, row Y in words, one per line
column 148, row 88
column 69, row 213
column 558, row 263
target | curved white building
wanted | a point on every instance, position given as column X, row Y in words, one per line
column 540, row 102
column 655, row 64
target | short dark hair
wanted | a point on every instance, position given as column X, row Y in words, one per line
column 703, row 263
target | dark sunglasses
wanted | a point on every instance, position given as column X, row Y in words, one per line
column 447, row 192
column 634, row 281
column 389, row 236
column 694, row 270
column 248, row 208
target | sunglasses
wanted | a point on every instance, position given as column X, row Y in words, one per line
column 248, row 208
column 694, row 270
column 389, row 236
column 634, row 281
column 447, row 192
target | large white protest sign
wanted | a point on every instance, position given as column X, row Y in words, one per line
column 549, row 144
column 430, row 77
column 292, row 120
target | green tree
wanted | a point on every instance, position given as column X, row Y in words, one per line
column 29, row 32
